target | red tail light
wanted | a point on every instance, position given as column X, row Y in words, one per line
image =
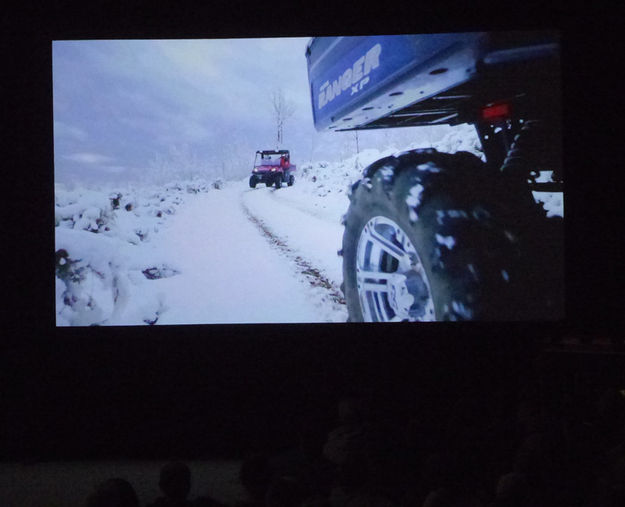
column 496, row 112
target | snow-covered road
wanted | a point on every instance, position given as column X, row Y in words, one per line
column 315, row 233
column 193, row 252
column 248, row 256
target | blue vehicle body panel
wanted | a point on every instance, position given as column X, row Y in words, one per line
column 357, row 80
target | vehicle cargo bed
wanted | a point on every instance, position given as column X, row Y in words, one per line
column 407, row 80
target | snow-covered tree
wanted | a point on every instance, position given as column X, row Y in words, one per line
column 282, row 110
column 233, row 154
column 179, row 162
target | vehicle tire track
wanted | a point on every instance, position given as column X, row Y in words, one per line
column 313, row 275
column 319, row 214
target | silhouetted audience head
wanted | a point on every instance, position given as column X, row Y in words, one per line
column 353, row 475
column 531, row 456
column 285, row 491
column 617, row 488
column 444, row 497
column 114, row 492
column 175, row 481
column 205, row 501
column 611, row 483
column 255, row 475
column 453, row 455
column 512, row 490
column 351, row 410
column 438, row 498
column 344, row 442
column 310, row 437
column 441, row 497
column 368, row 500
column 452, row 498
column 610, row 413
column 466, row 422
column 530, row 417
column 316, row 500
column 440, row 470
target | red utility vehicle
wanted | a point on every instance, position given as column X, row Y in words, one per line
column 274, row 167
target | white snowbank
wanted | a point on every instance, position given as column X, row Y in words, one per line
column 102, row 239
column 188, row 253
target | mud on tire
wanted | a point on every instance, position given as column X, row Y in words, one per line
column 438, row 227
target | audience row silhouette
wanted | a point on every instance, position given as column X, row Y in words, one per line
column 491, row 449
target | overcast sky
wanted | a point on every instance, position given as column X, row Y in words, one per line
column 120, row 103
column 121, row 106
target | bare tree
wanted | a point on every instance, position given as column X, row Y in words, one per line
column 231, row 153
column 179, row 162
column 282, row 111
column 357, row 161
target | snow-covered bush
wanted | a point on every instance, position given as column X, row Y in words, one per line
column 87, row 210
column 161, row 271
column 197, row 185
column 89, row 278
column 101, row 267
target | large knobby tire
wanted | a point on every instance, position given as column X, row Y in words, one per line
column 291, row 180
column 279, row 182
column 430, row 236
column 252, row 181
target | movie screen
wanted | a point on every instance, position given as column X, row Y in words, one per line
column 383, row 178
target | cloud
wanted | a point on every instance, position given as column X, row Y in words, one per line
column 196, row 60
column 63, row 130
column 88, row 158
column 131, row 99
column 115, row 169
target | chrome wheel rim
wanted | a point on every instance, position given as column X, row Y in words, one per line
column 391, row 282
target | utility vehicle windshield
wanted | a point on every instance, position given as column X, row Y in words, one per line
column 270, row 160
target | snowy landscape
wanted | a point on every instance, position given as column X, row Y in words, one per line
column 155, row 220
column 195, row 251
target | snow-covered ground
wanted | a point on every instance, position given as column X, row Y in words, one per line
column 196, row 252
